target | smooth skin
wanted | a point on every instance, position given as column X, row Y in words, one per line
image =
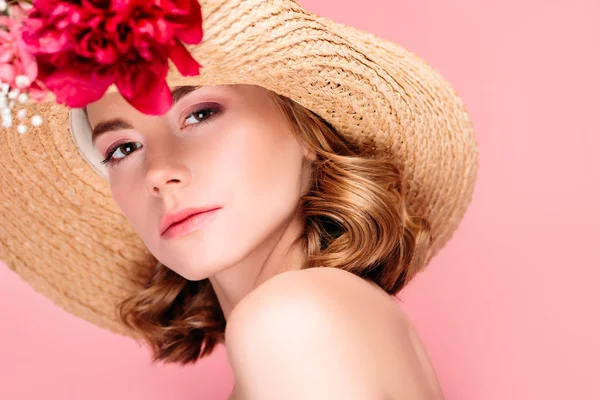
column 291, row 333
column 324, row 333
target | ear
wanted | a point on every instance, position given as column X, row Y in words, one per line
column 308, row 153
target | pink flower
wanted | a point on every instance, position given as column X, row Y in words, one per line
column 15, row 60
column 82, row 47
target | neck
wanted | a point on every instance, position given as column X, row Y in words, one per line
column 274, row 256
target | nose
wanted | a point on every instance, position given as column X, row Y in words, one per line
column 165, row 174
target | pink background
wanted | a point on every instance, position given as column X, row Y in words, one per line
column 509, row 309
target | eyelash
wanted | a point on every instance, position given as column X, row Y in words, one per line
column 111, row 150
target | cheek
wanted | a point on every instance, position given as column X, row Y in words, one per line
column 127, row 198
column 268, row 175
column 120, row 195
column 254, row 162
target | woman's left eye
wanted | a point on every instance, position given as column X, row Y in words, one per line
column 200, row 115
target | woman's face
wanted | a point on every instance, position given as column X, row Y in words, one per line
column 227, row 146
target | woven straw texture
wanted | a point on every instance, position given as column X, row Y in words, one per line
column 61, row 231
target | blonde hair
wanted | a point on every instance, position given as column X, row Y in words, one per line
column 356, row 220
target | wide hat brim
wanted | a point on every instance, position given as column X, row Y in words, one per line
column 61, row 231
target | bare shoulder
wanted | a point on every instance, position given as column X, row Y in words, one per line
column 320, row 328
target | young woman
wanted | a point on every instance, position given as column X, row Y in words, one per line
column 291, row 189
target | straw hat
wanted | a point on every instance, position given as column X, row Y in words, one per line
column 61, row 231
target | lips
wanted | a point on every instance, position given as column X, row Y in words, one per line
column 180, row 216
column 180, row 221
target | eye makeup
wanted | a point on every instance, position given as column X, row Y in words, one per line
column 202, row 112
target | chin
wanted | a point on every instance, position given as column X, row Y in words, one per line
column 202, row 265
column 195, row 272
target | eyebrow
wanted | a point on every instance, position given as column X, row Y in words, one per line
column 118, row 123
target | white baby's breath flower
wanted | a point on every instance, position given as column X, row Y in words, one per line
column 36, row 120
column 22, row 81
column 9, row 96
column 23, row 97
column 13, row 94
column 3, row 5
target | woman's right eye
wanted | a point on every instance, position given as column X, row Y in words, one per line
column 128, row 148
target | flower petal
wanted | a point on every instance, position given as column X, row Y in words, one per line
column 107, row 55
column 76, row 88
column 7, row 53
column 183, row 60
column 50, row 42
column 147, row 92
column 30, row 67
column 189, row 27
column 36, row 92
column 7, row 73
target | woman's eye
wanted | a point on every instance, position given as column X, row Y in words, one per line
column 120, row 151
column 125, row 146
column 200, row 115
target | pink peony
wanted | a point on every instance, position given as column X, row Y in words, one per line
column 82, row 47
column 15, row 60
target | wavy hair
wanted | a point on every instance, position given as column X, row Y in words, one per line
column 356, row 220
